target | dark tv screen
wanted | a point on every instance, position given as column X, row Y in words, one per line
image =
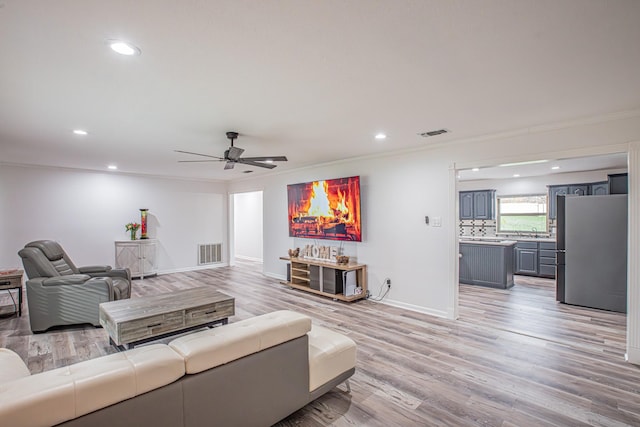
column 328, row 209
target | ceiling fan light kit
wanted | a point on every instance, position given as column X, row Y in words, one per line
column 233, row 155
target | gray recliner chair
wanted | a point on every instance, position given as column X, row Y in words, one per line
column 59, row 293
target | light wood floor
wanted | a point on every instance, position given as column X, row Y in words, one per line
column 514, row 358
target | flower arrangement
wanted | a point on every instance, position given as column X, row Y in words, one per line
column 132, row 227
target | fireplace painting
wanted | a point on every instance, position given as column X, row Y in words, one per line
column 328, row 209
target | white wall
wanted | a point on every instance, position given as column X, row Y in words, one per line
column 87, row 211
column 398, row 191
column 247, row 225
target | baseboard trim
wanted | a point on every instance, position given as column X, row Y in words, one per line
column 276, row 276
column 416, row 308
column 633, row 355
column 198, row 267
column 248, row 258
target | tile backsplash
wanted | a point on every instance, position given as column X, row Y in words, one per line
column 488, row 228
column 477, row 227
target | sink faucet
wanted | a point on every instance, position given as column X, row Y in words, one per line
column 535, row 231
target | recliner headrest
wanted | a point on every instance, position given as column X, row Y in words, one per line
column 52, row 250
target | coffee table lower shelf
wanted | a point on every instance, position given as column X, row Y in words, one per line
column 132, row 344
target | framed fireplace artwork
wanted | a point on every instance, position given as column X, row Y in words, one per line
column 328, row 209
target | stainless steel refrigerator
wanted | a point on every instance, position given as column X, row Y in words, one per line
column 591, row 246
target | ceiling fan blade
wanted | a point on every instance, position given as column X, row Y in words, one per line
column 265, row 158
column 229, row 165
column 234, row 153
column 198, row 154
column 200, row 161
column 258, row 164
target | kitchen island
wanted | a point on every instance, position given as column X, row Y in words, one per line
column 487, row 263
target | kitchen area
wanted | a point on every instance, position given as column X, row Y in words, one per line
column 561, row 221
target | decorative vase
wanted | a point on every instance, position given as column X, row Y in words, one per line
column 133, row 234
column 143, row 223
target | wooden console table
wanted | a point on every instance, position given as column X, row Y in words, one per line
column 9, row 280
column 319, row 277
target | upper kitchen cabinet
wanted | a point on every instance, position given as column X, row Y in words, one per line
column 466, row 204
column 599, row 188
column 618, row 183
column 477, row 204
column 593, row 188
column 579, row 189
column 554, row 190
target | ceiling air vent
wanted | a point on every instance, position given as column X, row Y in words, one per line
column 433, row 133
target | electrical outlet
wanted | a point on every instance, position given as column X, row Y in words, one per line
column 388, row 281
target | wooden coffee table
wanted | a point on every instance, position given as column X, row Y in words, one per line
column 135, row 321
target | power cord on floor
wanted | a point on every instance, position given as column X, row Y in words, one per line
column 386, row 282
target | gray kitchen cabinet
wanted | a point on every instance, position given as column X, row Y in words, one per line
column 487, row 264
column 526, row 258
column 483, row 204
column 547, row 259
column 554, row 190
column 477, row 204
column 466, row 204
column 618, row 183
column 599, row 188
column 579, row 189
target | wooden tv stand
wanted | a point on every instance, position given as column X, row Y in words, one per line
column 302, row 275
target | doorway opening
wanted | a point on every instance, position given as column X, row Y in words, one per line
column 247, row 227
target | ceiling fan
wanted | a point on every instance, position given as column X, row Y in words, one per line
column 232, row 156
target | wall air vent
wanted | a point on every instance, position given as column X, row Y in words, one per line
column 209, row 253
column 433, row 133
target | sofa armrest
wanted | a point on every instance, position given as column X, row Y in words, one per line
column 71, row 279
column 11, row 366
column 124, row 273
column 94, row 269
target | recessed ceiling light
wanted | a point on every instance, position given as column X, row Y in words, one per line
column 555, row 167
column 516, row 175
column 112, row 167
column 124, row 48
column 80, row 132
column 475, row 169
column 268, row 161
column 381, row 136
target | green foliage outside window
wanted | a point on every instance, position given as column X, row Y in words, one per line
column 525, row 214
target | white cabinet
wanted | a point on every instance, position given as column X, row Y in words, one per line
column 138, row 255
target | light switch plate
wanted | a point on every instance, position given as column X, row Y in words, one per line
column 436, row 221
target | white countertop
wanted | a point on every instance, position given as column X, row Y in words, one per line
column 489, row 242
column 510, row 238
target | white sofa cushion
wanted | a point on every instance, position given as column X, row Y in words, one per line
column 11, row 366
column 214, row 347
column 330, row 354
column 72, row 391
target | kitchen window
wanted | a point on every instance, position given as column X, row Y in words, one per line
column 522, row 214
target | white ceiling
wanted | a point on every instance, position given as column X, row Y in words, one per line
column 313, row 80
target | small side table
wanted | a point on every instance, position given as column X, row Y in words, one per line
column 12, row 279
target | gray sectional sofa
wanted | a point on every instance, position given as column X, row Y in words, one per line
column 250, row 373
